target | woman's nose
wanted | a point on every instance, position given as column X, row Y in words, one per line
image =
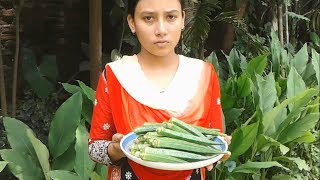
column 161, row 28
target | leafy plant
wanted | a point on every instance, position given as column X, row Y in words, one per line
column 67, row 155
column 269, row 105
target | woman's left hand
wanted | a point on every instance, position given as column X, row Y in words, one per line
column 225, row 157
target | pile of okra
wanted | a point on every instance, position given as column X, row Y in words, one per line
column 175, row 142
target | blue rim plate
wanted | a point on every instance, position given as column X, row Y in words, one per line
column 128, row 139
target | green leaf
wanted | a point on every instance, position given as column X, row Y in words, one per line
column 254, row 167
column 232, row 115
column 62, row 175
column 17, row 136
column 33, row 76
column 87, row 109
column 227, row 101
column 315, row 39
column 267, row 93
column 300, row 59
column 257, row 65
column 41, row 151
column 83, row 164
column 21, row 165
column 298, row 128
column 282, row 177
column 89, row 92
column 212, row 59
column 277, row 117
column 295, row 15
column 295, row 84
column 102, row 170
column 66, row 160
column 265, row 142
column 315, row 59
column 302, row 165
column 95, row 176
column 299, row 101
column 242, row 139
column 48, row 67
column 243, row 83
column 3, row 164
column 71, row 88
column 64, row 124
column 308, row 137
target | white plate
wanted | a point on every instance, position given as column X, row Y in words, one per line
column 127, row 140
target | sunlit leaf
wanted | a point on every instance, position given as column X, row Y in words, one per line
column 41, row 151
column 315, row 59
column 254, row 167
column 64, row 124
column 300, row 59
column 267, row 92
column 3, row 164
column 63, row 175
column 302, row 165
column 21, row 165
column 242, row 139
column 83, row 164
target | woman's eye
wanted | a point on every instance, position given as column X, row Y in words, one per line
column 172, row 17
column 147, row 18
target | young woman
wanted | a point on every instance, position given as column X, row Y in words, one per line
column 152, row 86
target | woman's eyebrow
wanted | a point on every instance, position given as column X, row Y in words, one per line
column 147, row 12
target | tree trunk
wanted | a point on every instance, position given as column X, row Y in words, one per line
column 287, row 24
column 95, row 44
column 230, row 32
column 2, row 82
column 16, row 60
column 280, row 23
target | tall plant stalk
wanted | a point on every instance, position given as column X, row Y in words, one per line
column 16, row 59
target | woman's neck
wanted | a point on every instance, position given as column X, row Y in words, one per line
column 149, row 60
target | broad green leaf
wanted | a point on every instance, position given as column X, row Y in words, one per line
column 227, row 101
column 265, row 142
column 66, row 160
column 3, row 164
column 32, row 74
column 89, row 92
column 17, row 136
column 21, row 165
column 63, row 175
column 295, row 84
column 315, row 38
column 267, row 93
column 243, row 63
column 41, row 151
column 300, row 59
column 299, row 101
column 71, row 88
column 315, row 60
column 87, row 109
column 285, row 59
column 282, row 177
column 48, row 67
column 102, row 170
column 83, row 164
column 308, row 73
column 232, row 115
column 273, row 118
column 95, row 176
column 308, row 137
column 254, row 167
column 302, row 165
column 298, row 128
column 242, row 139
column 243, row 83
column 257, row 65
column 233, row 61
column 212, row 59
column 64, row 124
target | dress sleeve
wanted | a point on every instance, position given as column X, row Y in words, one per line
column 102, row 126
column 217, row 119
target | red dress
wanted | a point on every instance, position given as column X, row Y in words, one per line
column 119, row 107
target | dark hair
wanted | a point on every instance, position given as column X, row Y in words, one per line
column 132, row 4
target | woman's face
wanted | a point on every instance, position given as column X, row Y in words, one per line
column 158, row 25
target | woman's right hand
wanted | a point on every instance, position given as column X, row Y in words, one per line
column 114, row 151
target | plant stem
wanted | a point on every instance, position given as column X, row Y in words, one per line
column 2, row 82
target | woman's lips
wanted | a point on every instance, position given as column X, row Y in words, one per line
column 161, row 43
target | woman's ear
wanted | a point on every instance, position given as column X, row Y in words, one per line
column 183, row 18
column 131, row 23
